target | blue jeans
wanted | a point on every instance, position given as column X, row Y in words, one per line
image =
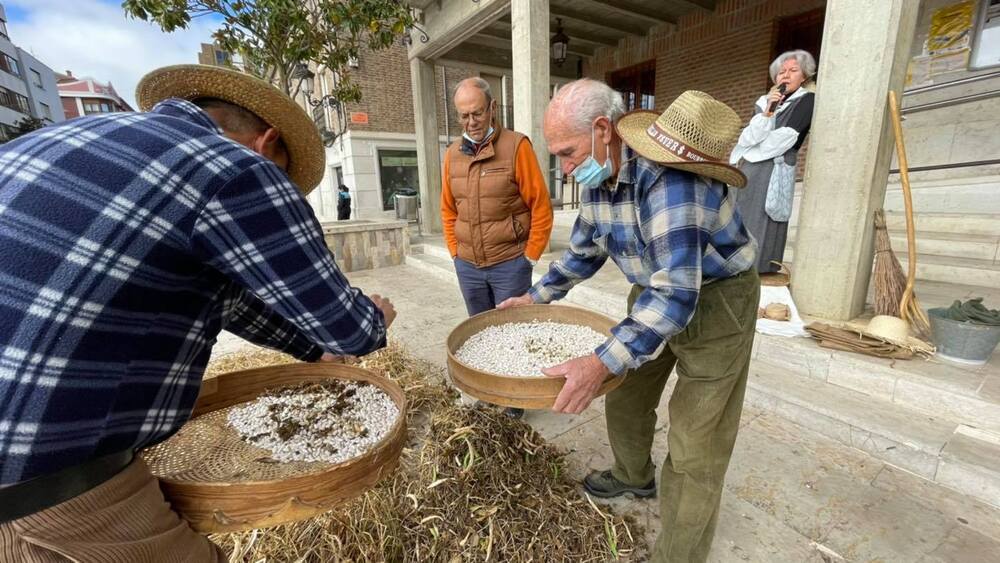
column 484, row 288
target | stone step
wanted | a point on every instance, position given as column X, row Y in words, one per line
column 884, row 430
column 977, row 194
column 965, row 394
column 948, row 269
column 984, row 224
column 954, row 455
column 970, row 463
column 978, row 247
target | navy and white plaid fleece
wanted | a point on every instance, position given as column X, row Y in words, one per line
column 127, row 243
column 669, row 231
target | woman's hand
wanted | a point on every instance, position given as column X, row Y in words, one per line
column 772, row 98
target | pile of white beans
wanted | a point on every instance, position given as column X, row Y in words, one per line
column 320, row 433
column 523, row 349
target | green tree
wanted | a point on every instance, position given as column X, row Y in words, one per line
column 24, row 126
column 273, row 37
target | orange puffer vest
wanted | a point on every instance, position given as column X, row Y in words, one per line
column 493, row 221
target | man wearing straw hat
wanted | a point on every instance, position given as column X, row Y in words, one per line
column 655, row 200
column 127, row 243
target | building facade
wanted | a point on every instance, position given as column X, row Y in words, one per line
column 374, row 145
column 87, row 96
column 212, row 55
column 27, row 86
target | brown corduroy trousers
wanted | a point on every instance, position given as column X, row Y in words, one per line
column 123, row 520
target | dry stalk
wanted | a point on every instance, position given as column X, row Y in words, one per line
column 473, row 485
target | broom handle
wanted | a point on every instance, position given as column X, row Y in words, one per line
column 904, row 176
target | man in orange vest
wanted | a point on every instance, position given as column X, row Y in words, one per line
column 495, row 207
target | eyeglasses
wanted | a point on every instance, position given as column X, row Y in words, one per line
column 474, row 116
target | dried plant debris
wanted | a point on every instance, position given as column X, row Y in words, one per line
column 331, row 420
column 473, row 485
column 524, row 349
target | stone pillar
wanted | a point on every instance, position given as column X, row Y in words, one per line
column 428, row 147
column 530, row 52
column 866, row 48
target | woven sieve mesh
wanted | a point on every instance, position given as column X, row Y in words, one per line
column 208, row 450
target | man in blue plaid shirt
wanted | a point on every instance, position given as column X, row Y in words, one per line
column 655, row 200
column 127, row 243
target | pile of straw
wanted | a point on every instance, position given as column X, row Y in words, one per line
column 472, row 485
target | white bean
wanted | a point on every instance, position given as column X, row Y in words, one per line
column 523, row 349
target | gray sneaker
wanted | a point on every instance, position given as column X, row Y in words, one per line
column 604, row 484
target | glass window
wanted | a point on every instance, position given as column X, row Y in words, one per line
column 36, row 79
column 14, row 101
column 398, row 171
column 637, row 85
column 3, row 29
column 986, row 39
column 9, row 65
column 46, row 110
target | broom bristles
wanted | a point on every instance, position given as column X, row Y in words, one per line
column 890, row 280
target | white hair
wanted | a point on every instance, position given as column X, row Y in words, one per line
column 807, row 64
column 477, row 82
column 582, row 101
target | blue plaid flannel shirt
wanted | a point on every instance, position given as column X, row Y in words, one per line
column 127, row 243
column 669, row 231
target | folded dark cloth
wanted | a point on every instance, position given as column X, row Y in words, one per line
column 973, row 311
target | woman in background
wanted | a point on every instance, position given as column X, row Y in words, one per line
column 767, row 152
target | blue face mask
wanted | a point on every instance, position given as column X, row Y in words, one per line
column 589, row 173
column 486, row 136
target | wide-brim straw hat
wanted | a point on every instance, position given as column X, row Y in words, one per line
column 695, row 134
column 306, row 156
column 894, row 330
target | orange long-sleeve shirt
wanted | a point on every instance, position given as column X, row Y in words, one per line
column 531, row 186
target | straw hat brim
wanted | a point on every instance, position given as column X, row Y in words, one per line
column 306, row 155
column 898, row 335
column 632, row 129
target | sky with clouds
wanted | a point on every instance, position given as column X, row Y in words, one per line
column 94, row 38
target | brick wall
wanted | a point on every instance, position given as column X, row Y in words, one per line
column 387, row 96
column 724, row 53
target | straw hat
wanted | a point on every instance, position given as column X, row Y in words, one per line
column 695, row 134
column 894, row 330
column 306, row 155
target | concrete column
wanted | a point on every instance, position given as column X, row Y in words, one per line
column 866, row 47
column 530, row 51
column 428, row 149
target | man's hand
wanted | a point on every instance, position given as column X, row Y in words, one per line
column 328, row 357
column 516, row 301
column 584, row 376
column 384, row 305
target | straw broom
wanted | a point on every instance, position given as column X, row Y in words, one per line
column 890, row 281
column 909, row 308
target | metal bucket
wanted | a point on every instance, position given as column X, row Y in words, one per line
column 962, row 342
column 406, row 206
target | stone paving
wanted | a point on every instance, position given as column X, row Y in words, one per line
column 791, row 494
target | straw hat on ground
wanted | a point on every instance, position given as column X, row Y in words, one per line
column 306, row 155
column 695, row 134
column 894, row 330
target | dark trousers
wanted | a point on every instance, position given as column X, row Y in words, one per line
column 484, row 288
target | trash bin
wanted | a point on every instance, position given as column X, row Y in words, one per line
column 405, row 202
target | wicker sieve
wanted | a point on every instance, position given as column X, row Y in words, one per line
column 520, row 392
column 220, row 483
